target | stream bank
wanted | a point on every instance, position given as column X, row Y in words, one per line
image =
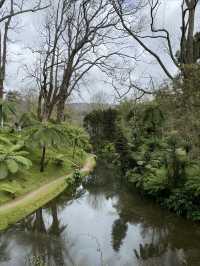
column 101, row 224
column 19, row 208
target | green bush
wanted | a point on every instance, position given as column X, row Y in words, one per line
column 180, row 202
column 13, row 157
column 156, row 181
column 108, row 153
column 57, row 158
column 193, row 179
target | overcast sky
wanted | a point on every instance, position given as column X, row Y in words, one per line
column 29, row 32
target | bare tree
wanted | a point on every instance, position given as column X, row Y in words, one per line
column 74, row 43
column 125, row 10
column 8, row 10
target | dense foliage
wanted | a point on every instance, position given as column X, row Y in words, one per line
column 29, row 146
column 156, row 143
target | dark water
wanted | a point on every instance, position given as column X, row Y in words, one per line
column 104, row 224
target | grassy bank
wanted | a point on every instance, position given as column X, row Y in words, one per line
column 28, row 180
column 19, row 208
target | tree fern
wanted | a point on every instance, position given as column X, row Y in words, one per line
column 5, row 108
column 12, row 158
column 45, row 135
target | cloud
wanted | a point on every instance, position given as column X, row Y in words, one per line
column 169, row 16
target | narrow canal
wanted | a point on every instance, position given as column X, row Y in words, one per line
column 102, row 224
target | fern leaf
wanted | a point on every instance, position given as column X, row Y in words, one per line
column 12, row 165
column 3, row 171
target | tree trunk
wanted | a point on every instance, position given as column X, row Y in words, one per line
column 1, row 113
column 42, row 159
column 39, row 225
column 61, row 110
column 190, row 36
column 74, row 148
column 54, row 229
column 1, row 98
column 1, row 89
column 39, row 107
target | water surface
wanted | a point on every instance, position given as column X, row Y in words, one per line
column 102, row 224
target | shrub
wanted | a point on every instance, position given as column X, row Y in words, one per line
column 180, row 202
column 58, row 159
column 12, row 158
column 193, row 179
column 156, row 181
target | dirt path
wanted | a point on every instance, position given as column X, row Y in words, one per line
column 31, row 195
column 15, row 210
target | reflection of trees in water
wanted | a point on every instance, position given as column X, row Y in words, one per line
column 4, row 249
column 161, row 241
column 158, row 247
column 119, row 231
column 47, row 245
column 159, row 255
column 96, row 200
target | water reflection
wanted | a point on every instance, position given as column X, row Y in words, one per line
column 119, row 231
column 45, row 241
column 103, row 224
column 4, row 251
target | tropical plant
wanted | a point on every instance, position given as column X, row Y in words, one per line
column 12, row 158
column 45, row 135
column 77, row 138
column 57, row 158
column 27, row 120
column 77, row 175
column 10, row 188
column 5, row 108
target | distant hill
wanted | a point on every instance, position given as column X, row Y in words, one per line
column 77, row 111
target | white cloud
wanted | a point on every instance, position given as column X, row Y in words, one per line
column 169, row 17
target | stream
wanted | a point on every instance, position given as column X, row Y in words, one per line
column 102, row 224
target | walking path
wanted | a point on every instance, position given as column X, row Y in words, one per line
column 19, row 208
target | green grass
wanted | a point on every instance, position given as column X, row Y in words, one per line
column 10, row 216
column 17, row 210
column 29, row 180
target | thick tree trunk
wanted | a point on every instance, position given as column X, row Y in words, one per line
column 1, row 98
column 54, row 229
column 1, row 89
column 39, row 225
column 61, row 110
column 190, row 37
column 39, row 107
column 42, row 159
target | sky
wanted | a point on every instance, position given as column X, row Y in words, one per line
column 28, row 35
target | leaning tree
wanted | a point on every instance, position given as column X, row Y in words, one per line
column 188, row 47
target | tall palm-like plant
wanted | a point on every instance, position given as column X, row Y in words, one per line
column 12, row 157
column 78, row 139
column 45, row 135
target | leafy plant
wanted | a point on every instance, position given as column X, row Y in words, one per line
column 10, row 189
column 57, row 159
column 193, row 180
column 77, row 138
column 27, row 120
column 77, row 175
column 180, row 202
column 5, row 108
column 156, row 181
column 12, row 158
column 45, row 135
